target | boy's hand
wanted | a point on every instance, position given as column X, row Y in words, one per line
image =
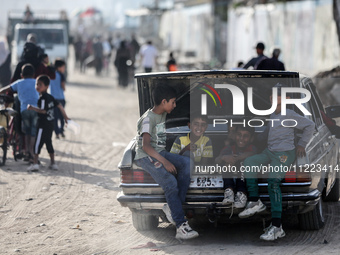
column 229, row 159
column 29, row 107
column 193, row 147
column 300, row 151
column 169, row 167
column 236, row 157
column 189, row 147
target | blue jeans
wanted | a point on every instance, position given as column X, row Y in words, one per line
column 29, row 121
column 175, row 187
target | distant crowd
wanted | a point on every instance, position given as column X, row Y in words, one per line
column 126, row 56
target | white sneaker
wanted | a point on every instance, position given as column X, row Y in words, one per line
column 240, row 200
column 33, row 168
column 186, row 232
column 252, row 208
column 228, row 197
column 267, row 228
column 272, row 233
column 54, row 167
column 167, row 212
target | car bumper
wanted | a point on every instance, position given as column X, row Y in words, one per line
column 304, row 202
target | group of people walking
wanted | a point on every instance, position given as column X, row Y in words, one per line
column 262, row 62
column 39, row 112
column 93, row 52
column 126, row 56
column 99, row 52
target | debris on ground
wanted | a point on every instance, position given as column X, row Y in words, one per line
column 147, row 245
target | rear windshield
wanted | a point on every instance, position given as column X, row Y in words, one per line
column 220, row 102
column 44, row 36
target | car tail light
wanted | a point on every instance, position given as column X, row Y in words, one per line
column 135, row 176
column 298, row 175
column 302, row 176
column 290, row 176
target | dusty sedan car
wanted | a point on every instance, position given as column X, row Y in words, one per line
column 310, row 181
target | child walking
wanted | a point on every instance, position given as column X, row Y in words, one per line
column 45, row 110
column 170, row 171
column 57, row 88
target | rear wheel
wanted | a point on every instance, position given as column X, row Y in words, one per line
column 312, row 220
column 143, row 222
column 14, row 148
column 334, row 194
column 13, row 144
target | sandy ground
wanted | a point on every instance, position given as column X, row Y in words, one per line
column 75, row 211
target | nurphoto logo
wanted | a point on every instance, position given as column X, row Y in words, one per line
column 238, row 100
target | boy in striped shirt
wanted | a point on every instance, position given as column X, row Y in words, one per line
column 45, row 110
column 195, row 144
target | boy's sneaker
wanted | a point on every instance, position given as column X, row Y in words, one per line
column 54, row 167
column 252, row 208
column 33, row 168
column 167, row 212
column 27, row 157
column 20, row 155
column 272, row 233
column 186, row 232
column 240, row 200
column 228, row 197
column 267, row 228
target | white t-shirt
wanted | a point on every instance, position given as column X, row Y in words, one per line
column 149, row 54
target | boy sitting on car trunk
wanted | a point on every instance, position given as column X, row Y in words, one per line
column 170, row 171
column 236, row 190
column 280, row 151
column 195, row 144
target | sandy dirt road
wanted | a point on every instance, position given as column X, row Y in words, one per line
column 75, row 211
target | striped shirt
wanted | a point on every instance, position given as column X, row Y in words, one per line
column 204, row 147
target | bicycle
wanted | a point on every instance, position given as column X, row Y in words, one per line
column 8, row 136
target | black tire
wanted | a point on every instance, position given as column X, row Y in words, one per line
column 3, row 151
column 334, row 194
column 13, row 145
column 312, row 220
column 143, row 222
column 14, row 148
column 4, row 157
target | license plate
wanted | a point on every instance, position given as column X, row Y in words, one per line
column 206, row 182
